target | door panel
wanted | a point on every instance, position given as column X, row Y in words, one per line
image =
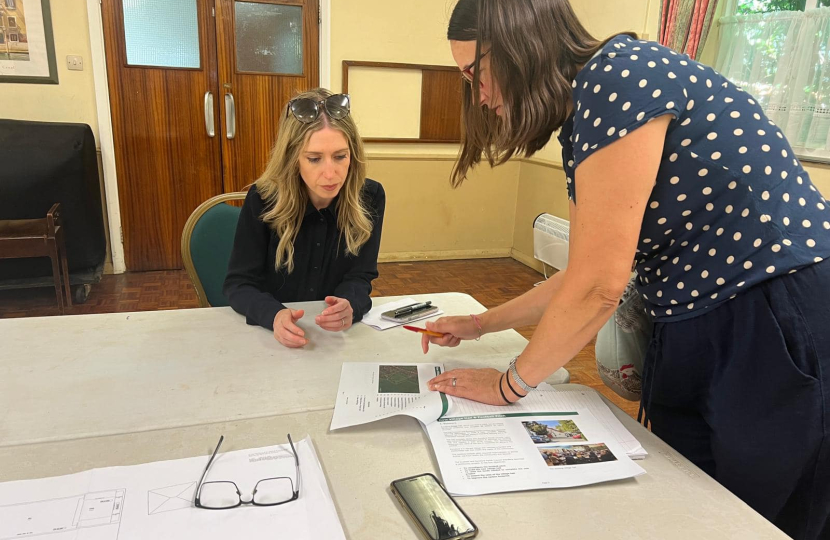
column 163, row 58
column 267, row 52
column 166, row 162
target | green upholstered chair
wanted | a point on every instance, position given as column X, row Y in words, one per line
column 207, row 241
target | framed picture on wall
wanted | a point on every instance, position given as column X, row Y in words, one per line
column 27, row 46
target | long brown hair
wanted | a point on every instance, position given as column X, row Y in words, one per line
column 536, row 49
column 286, row 196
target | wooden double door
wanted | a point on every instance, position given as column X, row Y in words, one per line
column 197, row 91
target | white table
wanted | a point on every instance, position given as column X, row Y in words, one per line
column 84, row 392
column 94, row 375
column 675, row 500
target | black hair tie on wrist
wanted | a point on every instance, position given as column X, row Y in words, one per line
column 502, row 392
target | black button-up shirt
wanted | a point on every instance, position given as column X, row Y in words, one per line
column 321, row 266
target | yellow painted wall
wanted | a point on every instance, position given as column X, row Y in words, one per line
column 820, row 175
column 710, row 48
column 652, row 20
column 541, row 189
column 384, row 31
column 73, row 99
column 425, row 218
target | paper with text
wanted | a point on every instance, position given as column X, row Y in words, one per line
column 543, row 441
column 370, row 392
column 592, row 400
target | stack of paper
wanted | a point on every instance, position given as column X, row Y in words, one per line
column 374, row 319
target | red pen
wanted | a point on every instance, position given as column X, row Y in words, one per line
column 423, row 331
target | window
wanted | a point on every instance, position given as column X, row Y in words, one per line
column 778, row 50
column 12, row 22
column 11, row 5
column 2, row 38
column 162, row 33
column 747, row 7
column 13, row 37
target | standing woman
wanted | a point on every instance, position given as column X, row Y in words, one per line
column 675, row 171
column 310, row 227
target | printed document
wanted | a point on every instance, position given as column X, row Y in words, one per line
column 370, row 392
column 543, row 441
column 549, row 439
column 580, row 397
column 155, row 500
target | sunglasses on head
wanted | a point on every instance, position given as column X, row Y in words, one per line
column 307, row 110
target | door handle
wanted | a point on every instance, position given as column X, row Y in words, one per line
column 209, row 124
column 230, row 116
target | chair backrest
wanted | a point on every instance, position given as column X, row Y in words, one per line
column 207, row 241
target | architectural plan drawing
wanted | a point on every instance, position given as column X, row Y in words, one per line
column 90, row 505
column 170, row 498
column 65, row 517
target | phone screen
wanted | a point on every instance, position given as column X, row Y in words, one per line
column 436, row 511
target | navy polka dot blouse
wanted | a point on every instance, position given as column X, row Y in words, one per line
column 732, row 206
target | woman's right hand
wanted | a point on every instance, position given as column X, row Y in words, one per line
column 286, row 330
column 454, row 329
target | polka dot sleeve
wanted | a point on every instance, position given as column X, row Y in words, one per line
column 624, row 87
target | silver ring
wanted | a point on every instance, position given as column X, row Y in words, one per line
column 454, row 380
column 342, row 322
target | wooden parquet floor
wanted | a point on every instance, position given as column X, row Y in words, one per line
column 490, row 281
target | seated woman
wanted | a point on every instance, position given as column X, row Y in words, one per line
column 310, row 226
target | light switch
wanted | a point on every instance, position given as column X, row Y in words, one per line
column 75, row 62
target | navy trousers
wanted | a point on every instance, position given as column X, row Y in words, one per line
column 744, row 393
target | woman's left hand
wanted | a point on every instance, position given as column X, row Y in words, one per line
column 336, row 317
column 480, row 385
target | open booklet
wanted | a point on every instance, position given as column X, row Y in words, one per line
column 370, row 392
column 550, row 439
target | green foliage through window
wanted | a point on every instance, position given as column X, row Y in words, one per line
column 745, row 7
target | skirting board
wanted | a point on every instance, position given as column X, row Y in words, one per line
column 526, row 260
column 451, row 255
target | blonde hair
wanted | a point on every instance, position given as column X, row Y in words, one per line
column 286, row 196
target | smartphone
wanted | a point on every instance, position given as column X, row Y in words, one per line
column 436, row 514
column 408, row 317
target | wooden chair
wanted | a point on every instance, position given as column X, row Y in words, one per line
column 22, row 238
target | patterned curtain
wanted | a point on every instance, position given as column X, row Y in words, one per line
column 685, row 24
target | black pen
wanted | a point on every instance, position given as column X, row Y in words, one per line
column 414, row 307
